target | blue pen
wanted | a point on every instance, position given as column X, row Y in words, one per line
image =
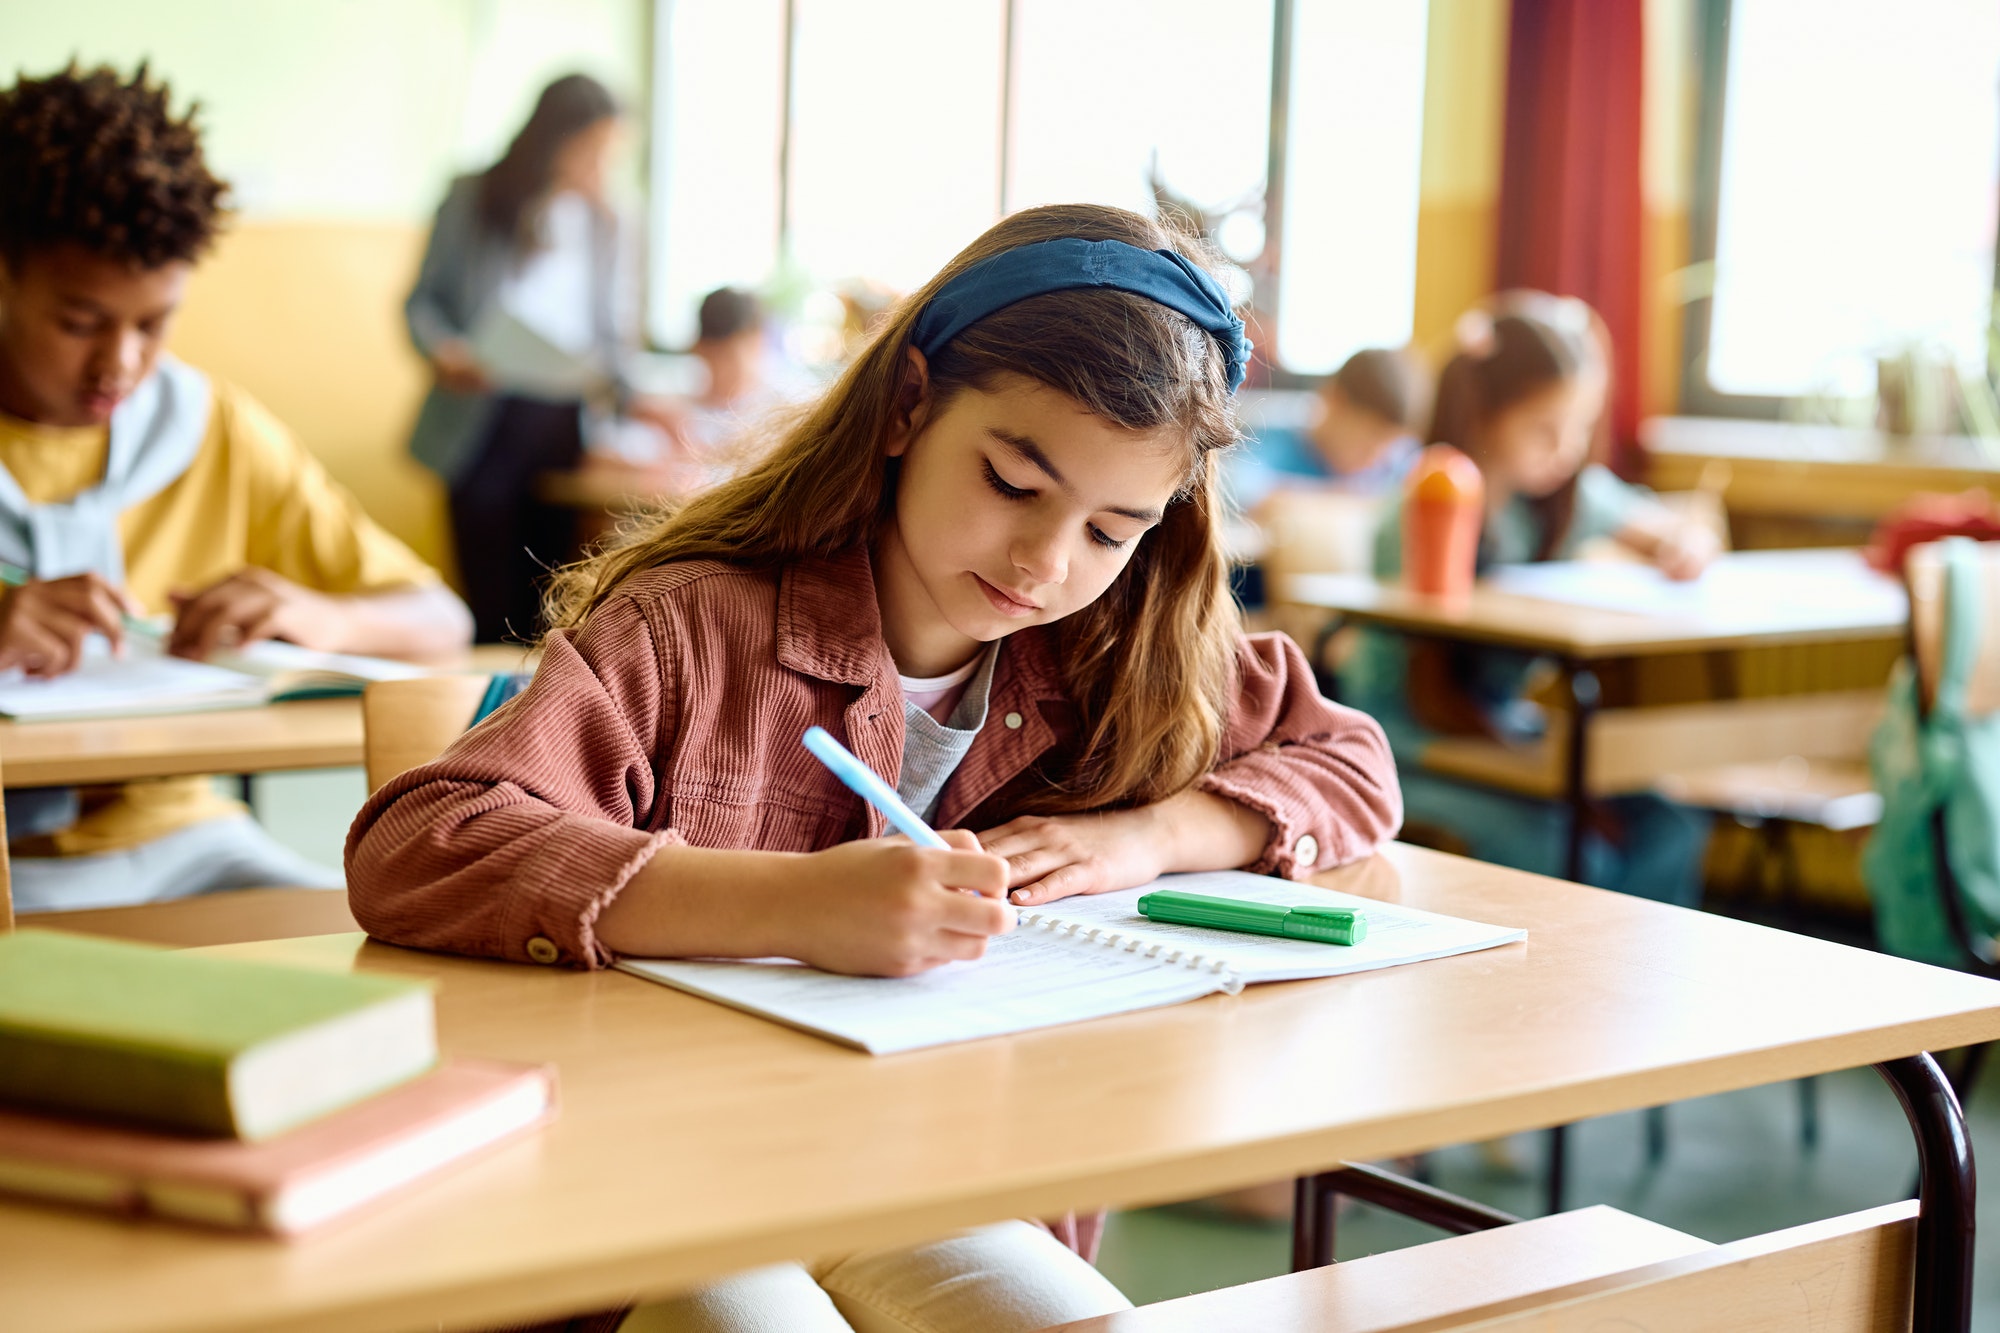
column 861, row 780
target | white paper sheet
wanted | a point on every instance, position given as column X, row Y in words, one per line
column 144, row 681
column 1748, row 586
column 1039, row 977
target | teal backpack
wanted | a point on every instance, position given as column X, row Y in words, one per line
column 1939, row 775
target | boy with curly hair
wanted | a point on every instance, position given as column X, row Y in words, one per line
column 133, row 483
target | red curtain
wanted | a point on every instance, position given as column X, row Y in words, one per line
column 1570, row 203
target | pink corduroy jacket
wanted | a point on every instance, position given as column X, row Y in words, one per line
column 675, row 716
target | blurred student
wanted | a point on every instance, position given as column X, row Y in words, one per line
column 1360, row 437
column 1523, row 397
column 522, row 309
column 131, row 482
column 730, row 343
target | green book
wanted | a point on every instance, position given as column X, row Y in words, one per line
column 196, row 1043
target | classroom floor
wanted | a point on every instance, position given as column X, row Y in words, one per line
column 1734, row 1165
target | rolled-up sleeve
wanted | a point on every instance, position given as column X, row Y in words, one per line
column 511, row 843
column 1321, row 773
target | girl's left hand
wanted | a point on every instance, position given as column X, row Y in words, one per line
column 1061, row 856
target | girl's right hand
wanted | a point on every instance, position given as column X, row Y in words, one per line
column 886, row 907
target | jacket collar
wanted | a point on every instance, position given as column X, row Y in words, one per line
column 828, row 623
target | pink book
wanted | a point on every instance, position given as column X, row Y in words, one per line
column 289, row 1184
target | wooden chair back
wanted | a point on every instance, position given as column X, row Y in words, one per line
column 1319, row 532
column 1923, row 570
column 405, row 723
column 1628, row 1276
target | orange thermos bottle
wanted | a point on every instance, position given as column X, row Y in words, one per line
column 1443, row 504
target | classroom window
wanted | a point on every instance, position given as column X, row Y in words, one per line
column 1854, row 189
column 820, row 145
column 718, row 128
column 895, row 148
column 1106, row 93
column 1348, row 276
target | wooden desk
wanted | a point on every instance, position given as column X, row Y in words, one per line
column 1790, row 471
column 1572, row 766
column 1594, row 633
column 317, row 733
column 696, row 1140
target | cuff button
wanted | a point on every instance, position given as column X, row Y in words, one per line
column 543, row 950
column 1306, row 850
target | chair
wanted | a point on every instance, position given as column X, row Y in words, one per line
column 405, row 723
column 1592, row 1269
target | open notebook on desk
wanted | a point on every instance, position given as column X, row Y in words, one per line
column 146, row 681
column 1071, row 960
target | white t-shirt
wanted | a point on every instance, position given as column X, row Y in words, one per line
column 551, row 291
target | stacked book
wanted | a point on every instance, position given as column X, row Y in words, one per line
column 229, row 1092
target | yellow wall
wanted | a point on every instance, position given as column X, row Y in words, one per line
column 338, row 123
column 1465, row 86
column 1668, row 188
column 307, row 317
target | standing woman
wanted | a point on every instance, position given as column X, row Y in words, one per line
column 533, row 242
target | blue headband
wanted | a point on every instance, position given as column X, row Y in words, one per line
column 1062, row 265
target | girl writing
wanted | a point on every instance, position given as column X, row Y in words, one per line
column 987, row 561
column 1523, row 396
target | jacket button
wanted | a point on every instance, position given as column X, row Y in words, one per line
column 1013, row 721
column 543, row 950
column 1306, row 849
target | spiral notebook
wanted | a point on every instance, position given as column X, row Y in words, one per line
column 1072, row 960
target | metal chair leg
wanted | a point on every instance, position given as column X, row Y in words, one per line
column 1558, row 1166
column 1656, row 1135
column 1809, row 1112
column 1947, row 1191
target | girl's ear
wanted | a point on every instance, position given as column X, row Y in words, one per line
column 913, row 402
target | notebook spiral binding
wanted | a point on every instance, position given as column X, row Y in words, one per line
column 1103, row 937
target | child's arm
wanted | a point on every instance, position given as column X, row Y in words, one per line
column 547, row 823
column 1678, row 547
column 1303, row 784
column 425, row 621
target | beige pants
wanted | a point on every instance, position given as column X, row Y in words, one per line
column 1009, row 1278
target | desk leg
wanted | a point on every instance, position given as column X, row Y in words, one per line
column 1323, row 675
column 1583, row 693
column 1946, row 1191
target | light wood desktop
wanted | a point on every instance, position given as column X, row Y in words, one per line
column 1590, row 752
column 696, row 1140
column 317, row 733
column 1594, row 633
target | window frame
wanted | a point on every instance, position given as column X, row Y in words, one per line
column 1697, row 397
column 1283, row 23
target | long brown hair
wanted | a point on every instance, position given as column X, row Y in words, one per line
column 1149, row 663
column 1508, row 351
column 510, row 187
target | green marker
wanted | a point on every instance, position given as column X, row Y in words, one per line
column 13, row 576
column 1326, row 925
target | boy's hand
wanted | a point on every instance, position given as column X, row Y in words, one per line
column 43, row 624
column 249, row 605
column 1060, row 856
column 886, row 907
